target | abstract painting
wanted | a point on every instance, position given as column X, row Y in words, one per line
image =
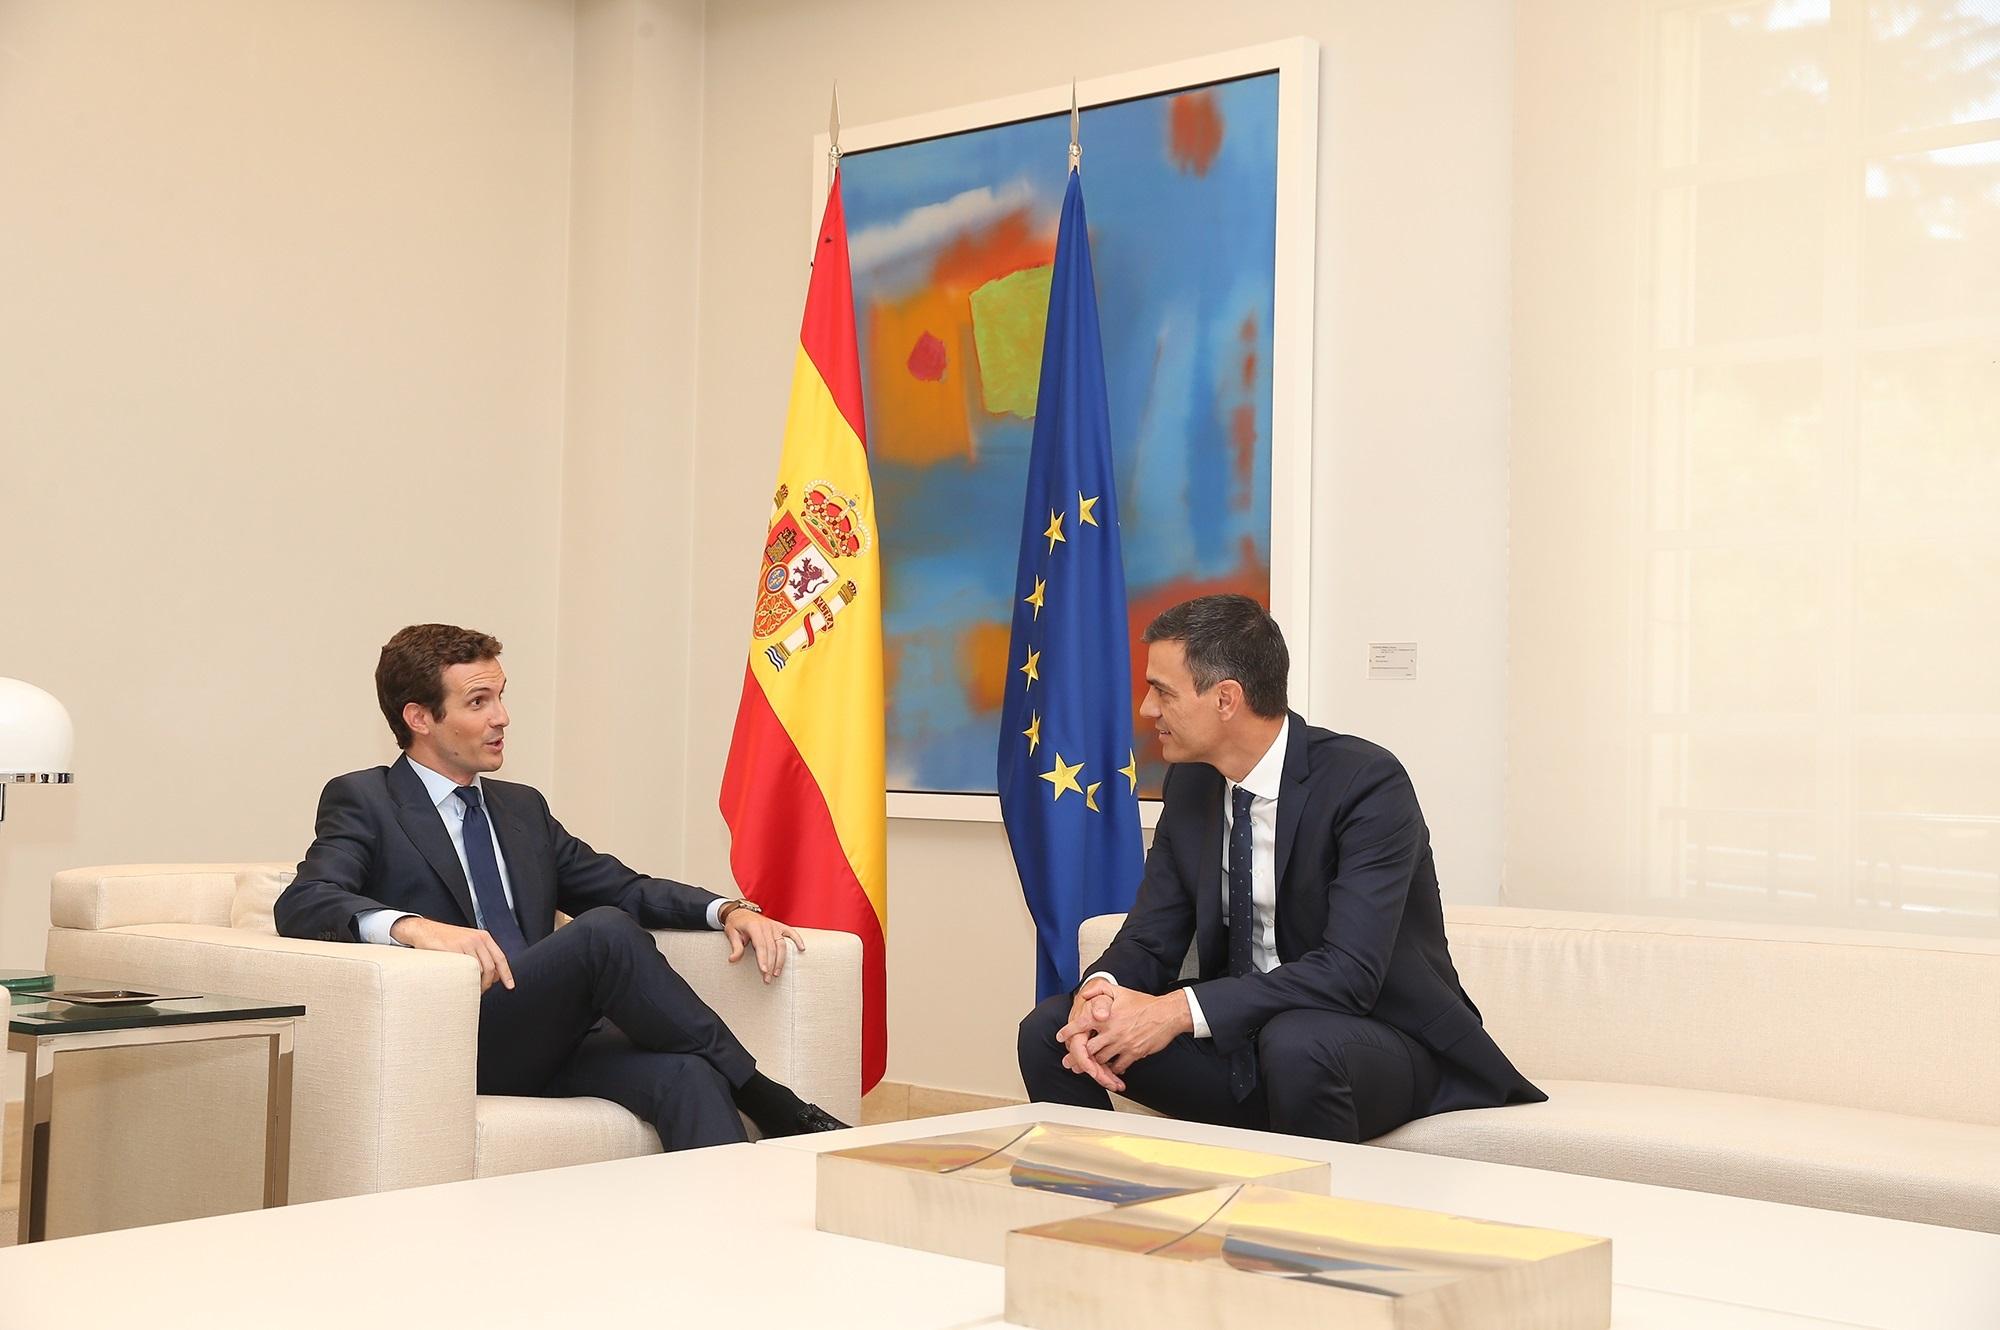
column 951, row 239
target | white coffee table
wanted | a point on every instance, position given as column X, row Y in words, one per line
column 725, row 1236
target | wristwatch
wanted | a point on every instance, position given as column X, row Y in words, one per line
column 722, row 915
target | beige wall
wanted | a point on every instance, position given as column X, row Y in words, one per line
column 628, row 505
column 281, row 368
column 1410, row 433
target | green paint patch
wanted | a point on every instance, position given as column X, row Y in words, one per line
column 1008, row 317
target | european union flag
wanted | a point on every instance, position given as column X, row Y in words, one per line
column 1068, row 777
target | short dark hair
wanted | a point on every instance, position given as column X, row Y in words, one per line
column 412, row 669
column 1229, row 637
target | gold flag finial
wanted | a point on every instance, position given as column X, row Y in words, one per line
column 833, row 128
column 1075, row 123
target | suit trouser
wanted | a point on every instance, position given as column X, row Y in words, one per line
column 664, row 1055
column 1319, row 1073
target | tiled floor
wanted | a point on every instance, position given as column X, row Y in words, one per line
column 893, row 1101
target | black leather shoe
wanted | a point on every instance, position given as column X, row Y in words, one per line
column 810, row 1118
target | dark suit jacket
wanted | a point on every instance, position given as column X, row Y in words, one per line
column 380, row 844
column 1360, row 928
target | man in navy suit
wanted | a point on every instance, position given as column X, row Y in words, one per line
column 429, row 853
column 1298, row 864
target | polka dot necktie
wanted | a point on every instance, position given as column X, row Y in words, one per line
column 1242, row 929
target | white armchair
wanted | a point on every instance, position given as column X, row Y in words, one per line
column 383, row 1076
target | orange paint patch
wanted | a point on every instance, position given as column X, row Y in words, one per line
column 1249, row 371
column 919, row 419
column 982, row 665
column 1008, row 245
column 1194, row 131
column 1243, row 444
column 892, row 663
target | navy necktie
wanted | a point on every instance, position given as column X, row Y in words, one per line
column 1242, row 928
column 494, row 913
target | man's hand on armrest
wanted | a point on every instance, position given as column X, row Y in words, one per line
column 763, row 935
column 413, row 930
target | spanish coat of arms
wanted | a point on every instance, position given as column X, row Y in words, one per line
column 802, row 586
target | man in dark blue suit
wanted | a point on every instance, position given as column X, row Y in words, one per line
column 1298, row 864
column 428, row 853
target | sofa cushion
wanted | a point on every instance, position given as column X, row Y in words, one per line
column 256, row 898
column 1894, row 1022
column 519, row 1135
column 1835, row 1158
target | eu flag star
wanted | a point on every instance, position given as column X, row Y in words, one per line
column 1090, row 797
column 1054, row 533
column 1033, row 733
column 1084, row 507
column 1037, row 597
column 1063, row 777
column 1033, row 668
column 1130, row 771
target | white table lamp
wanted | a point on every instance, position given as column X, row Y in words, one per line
column 36, row 740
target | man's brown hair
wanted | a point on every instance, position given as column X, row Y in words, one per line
column 1229, row 637
column 413, row 664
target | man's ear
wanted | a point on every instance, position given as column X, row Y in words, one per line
column 418, row 717
column 1228, row 698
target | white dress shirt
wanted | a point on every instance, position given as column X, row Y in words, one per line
column 1263, row 782
column 374, row 925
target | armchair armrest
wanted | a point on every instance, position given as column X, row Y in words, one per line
column 804, row 1028
column 383, row 1067
column 120, row 895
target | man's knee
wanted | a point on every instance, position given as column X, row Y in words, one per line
column 1037, row 1042
column 609, row 927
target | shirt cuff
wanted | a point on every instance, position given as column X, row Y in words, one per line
column 715, row 912
column 1105, row 975
column 374, row 925
column 1194, row 1014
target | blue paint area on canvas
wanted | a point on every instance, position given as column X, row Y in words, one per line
column 1184, row 260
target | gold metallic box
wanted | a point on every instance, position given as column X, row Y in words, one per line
column 958, row 1195
column 1261, row 1256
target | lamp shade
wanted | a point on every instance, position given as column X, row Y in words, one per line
column 35, row 735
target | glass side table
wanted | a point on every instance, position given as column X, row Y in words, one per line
column 41, row 1027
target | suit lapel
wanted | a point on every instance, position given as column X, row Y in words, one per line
column 425, row 829
column 534, row 891
column 1291, row 793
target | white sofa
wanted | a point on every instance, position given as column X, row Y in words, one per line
column 383, row 1086
column 1841, row 1069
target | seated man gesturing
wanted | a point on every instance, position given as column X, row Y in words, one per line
column 426, row 852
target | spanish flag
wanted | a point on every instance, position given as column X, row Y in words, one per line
column 803, row 792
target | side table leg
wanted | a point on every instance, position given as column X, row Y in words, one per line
column 278, row 1120
column 37, row 1099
